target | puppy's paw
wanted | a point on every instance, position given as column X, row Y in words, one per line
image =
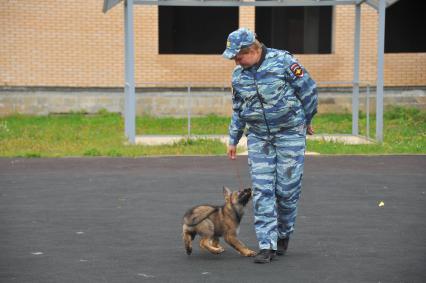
column 217, row 251
column 249, row 253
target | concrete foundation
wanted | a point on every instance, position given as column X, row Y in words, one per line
column 178, row 102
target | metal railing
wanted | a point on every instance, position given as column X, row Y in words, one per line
column 361, row 85
column 188, row 87
column 184, row 85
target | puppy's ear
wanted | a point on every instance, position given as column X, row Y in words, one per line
column 226, row 191
column 227, row 194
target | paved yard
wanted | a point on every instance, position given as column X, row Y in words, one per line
column 361, row 219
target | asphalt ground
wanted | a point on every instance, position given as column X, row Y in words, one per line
column 361, row 219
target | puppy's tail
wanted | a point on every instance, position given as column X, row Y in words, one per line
column 188, row 236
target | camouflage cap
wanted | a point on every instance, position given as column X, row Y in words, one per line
column 237, row 40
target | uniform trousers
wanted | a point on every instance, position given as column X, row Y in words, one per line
column 276, row 168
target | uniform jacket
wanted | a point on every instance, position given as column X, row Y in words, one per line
column 274, row 95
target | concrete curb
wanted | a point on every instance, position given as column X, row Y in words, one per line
column 153, row 140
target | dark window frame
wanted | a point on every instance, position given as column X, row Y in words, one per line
column 405, row 22
column 184, row 30
column 298, row 29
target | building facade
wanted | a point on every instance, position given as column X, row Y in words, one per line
column 50, row 43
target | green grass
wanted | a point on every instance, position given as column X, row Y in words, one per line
column 98, row 135
column 404, row 133
column 207, row 125
column 78, row 134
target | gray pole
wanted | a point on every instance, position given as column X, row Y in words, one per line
column 355, row 87
column 380, row 71
column 367, row 110
column 129, row 102
column 189, row 111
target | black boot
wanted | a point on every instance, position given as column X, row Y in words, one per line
column 264, row 256
column 282, row 246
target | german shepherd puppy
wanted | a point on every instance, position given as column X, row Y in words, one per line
column 212, row 222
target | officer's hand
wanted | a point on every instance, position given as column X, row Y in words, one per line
column 232, row 152
column 310, row 130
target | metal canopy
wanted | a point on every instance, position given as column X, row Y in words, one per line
column 108, row 4
column 375, row 3
column 379, row 5
column 233, row 3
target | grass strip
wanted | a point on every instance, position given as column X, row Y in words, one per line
column 78, row 134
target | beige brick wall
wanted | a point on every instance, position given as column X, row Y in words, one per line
column 247, row 17
column 73, row 44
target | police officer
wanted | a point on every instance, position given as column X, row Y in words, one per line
column 274, row 100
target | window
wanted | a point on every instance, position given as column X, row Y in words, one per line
column 195, row 30
column 302, row 30
column 404, row 30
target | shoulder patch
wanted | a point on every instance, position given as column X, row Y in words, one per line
column 296, row 70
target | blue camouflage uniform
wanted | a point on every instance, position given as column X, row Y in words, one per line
column 273, row 102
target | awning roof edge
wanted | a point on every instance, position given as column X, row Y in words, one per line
column 108, row 4
column 375, row 3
